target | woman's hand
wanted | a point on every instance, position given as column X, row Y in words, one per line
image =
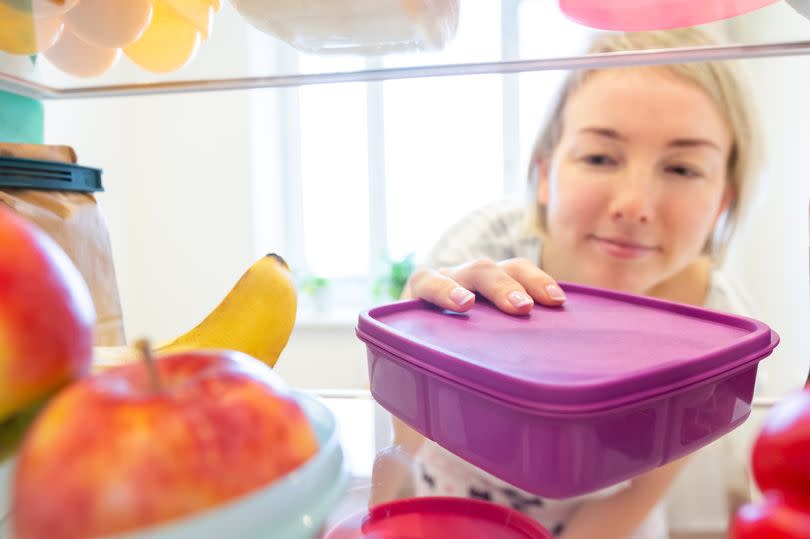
column 513, row 285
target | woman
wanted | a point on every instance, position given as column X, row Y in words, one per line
column 637, row 182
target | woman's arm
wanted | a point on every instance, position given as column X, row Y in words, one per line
column 618, row 516
column 390, row 477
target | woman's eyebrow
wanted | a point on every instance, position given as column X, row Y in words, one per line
column 693, row 142
column 602, row 132
column 607, row 132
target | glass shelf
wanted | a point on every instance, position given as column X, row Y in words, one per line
column 236, row 55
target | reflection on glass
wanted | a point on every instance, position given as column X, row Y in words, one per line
column 355, row 26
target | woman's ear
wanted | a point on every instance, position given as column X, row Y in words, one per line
column 729, row 196
column 541, row 180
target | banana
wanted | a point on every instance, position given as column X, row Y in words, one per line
column 256, row 317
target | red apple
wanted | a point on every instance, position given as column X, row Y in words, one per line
column 771, row 518
column 780, row 458
column 115, row 452
column 46, row 316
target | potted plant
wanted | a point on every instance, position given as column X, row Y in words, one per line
column 318, row 289
column 391, row 284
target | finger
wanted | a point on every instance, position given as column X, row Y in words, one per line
column 440, row 290
column 539, row 284
column 492, row 282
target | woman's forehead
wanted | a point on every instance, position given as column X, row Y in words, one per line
column 644, row 103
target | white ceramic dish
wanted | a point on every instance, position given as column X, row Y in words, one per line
column 294, row 507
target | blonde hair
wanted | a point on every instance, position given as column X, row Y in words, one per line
column 721, row 81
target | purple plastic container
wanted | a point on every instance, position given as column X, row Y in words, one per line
column 566, row 400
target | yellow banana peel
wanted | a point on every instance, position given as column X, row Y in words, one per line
column 256, row 317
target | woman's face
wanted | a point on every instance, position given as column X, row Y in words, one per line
column 637, row 181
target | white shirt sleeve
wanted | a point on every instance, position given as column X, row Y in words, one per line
column 497, row 231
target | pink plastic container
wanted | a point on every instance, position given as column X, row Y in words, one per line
column 566, row 400
column 439, row 518
column 636, row 15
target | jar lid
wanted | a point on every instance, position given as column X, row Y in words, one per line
column 48, row 175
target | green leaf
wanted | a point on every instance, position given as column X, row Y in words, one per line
column 393, row 283
column 312, row 285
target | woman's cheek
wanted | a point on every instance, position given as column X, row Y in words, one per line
column 579, row 203
column 690, row 221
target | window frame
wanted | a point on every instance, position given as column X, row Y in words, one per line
column 355, row 292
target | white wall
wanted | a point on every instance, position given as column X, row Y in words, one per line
column 772, row 256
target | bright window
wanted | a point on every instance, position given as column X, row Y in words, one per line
column 334, row 175
column 384, row 168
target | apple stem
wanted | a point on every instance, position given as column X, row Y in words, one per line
column 149, row 358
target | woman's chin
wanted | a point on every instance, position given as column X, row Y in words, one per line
column 632, row 283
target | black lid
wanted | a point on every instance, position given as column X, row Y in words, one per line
column 48, row 175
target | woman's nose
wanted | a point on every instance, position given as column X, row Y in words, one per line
column 632, row 201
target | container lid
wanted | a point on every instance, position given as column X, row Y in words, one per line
column 439, row 518
column 599, row 349
column 48, row 175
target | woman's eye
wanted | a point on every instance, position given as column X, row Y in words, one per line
column 684, row 171
column 599, row 160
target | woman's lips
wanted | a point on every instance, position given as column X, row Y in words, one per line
column 622, row 248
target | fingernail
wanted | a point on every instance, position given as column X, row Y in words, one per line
column 461, row 296
column 519, row 299
column 555, row 292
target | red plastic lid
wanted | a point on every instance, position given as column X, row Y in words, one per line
column 439, row 518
